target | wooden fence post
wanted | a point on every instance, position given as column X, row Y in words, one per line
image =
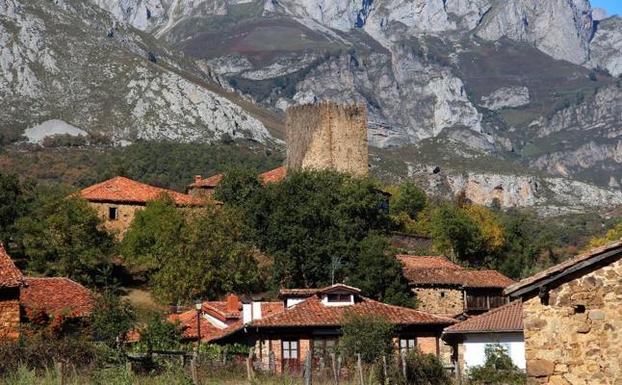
column 193, row 368
column 359, row 367
column 271, row 362
column 403, row 357
column 249, row 366
column 308, row 369
column 60, row 372
column 385, row 371
column 336, row 366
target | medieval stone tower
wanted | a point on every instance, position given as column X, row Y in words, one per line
column 327, row 136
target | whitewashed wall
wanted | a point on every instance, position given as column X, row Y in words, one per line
column 475, row 347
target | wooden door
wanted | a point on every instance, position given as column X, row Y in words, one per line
column 291, row 355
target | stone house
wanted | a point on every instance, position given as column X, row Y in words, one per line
column 206, row 186
column 445, row 288
column 310, row 323
column 11, row 281
column 572, row 316
column 501, row 326
column 116, row 200
column 41, row 300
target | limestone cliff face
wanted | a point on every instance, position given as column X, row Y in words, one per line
column 71, row 60
column 606, row 46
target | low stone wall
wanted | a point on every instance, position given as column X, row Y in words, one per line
column 577, row 337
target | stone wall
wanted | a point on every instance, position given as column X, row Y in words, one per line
column 124, row 219
column 442, row 301
column 9, row 313
column 327, row 136
column 577, row 337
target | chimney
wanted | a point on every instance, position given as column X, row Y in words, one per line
column 251, row 309
column 233, row 303
column 197, row 178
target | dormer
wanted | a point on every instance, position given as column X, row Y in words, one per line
column 338, row 295
column 335, row 295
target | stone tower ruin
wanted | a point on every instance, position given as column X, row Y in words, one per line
column 327, row 136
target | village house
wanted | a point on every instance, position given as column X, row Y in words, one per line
column 116, row 200
column 310, row 323
column 206, row 186
column 445, row 288
column 572, row 317
column 501, row 326
column 39, row 300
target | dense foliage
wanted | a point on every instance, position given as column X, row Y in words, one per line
column 112, row 319
column 498, row 369
column 369, row 336
column 197, row 253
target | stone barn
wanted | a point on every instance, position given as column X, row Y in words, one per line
column 327, row 136
column 572, row 318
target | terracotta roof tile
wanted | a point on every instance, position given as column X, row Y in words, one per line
column 124, row 190
column 10, row 275
column 57, row 296
column 210, row 182
column 507, row 318
column 273, row 176
column 592, row 254
column 427, row 270
column 311, row 312
column 304, row 293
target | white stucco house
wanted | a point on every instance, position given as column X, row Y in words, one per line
column 502, row 326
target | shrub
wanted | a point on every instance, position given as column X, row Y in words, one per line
column 498, row 369
column 369, row 336
column 421, row 369
column 112, row 319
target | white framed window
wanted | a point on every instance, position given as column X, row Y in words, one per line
column 407, row 344
column 290, row 350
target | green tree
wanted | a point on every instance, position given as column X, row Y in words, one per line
column 154, row 235
column 455, row 231
column 369, row 336
column 377, row 272
column 112, row 319
column 238, row 186
column 62, row 235
column 498, row 369
column 160, row 334
column 408, row 199
column 313, row 219
column 13, row 203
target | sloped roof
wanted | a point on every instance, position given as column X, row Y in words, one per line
column 273, row 176
column 304, row 293
column 210, row 182
column 10, row 275
column 507, row 318
column 57, row 297
column 313, row 313
column 124, row 190
column 436, row 270
column 550, row 275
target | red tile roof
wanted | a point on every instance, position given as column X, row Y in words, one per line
column 124, row 190
column 313, row 313
column 209, row 332
column 303, row 293
column 210, row 182
column 428, row 270
column 273, row 176
column 613, row 249
column 57, row 296
column 507, row 318
column 10, row 276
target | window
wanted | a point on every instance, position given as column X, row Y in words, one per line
column 113, row 213
column 338, row 297
column 290, row 350
column 407, row 344
column 442, row 294
column 322, row 347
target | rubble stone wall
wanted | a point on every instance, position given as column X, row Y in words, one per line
column 441, row 301
column 577, row 337
column 327, row 136
column 9, row 313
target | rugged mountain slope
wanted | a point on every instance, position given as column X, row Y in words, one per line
column 70, row 60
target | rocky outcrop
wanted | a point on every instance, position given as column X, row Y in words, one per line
column 106, row 79
column 606, row 46
column 506, row 97
column 560, row 28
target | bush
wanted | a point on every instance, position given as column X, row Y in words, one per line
column 369, row 336
column 421, row 369
column 160, row 334
column 112, row 319
column 498, row 369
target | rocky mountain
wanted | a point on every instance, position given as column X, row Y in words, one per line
column 497, row 93
column 68, row 63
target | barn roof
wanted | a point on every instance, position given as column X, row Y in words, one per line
column 504, row 319
column 10, row 275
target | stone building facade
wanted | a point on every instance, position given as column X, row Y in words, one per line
column 572, row 315
column 11, row 280
column 440, row 300
column 327, row 136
